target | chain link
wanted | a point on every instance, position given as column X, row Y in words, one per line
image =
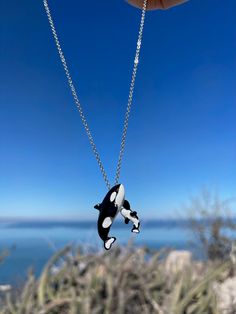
column 131, row 92
column 77, row 102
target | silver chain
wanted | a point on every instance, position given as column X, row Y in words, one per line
column 131, row 92
column 77, row 102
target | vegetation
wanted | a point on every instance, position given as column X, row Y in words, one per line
column 120, row 281
column 210, row 222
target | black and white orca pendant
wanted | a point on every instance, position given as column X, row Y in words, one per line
column 113, row 203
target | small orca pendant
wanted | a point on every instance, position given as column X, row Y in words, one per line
column 113, row 203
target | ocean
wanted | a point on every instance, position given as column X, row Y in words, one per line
column 31, row 244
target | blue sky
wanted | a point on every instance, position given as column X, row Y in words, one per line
column 182, row 131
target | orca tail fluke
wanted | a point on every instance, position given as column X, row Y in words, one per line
column 108, row 243
column 135, row 229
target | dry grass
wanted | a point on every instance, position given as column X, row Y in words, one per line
column 119, row 281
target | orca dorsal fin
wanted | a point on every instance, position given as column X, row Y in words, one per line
column 97, row 206
column 126, row 204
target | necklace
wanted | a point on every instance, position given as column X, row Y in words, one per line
column 114, row 201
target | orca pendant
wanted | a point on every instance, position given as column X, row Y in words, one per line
column 113, row 203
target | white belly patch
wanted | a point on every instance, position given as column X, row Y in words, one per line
column 107, row 222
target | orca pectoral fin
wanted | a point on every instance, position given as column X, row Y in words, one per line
column 97, row 206
column 127, row 221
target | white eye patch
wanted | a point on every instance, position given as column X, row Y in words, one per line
column 113, row 196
